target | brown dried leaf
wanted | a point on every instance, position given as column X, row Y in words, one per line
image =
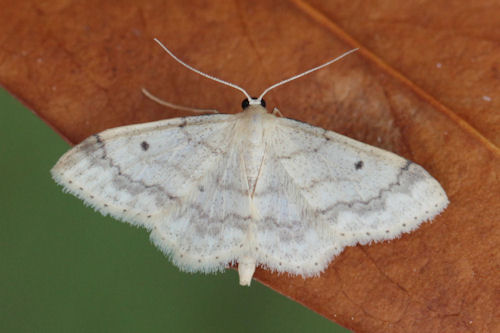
column 81, row 66
column 450, row 50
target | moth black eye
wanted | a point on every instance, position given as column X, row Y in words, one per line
column 245, row 103
column 263, row 103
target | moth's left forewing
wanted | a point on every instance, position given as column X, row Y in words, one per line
column 136, row 172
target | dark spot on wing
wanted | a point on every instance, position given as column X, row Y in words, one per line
column 144, row 145
column 358, row 165
column 183, row 124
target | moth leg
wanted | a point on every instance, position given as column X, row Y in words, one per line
column 175, row 106
column 277, row 112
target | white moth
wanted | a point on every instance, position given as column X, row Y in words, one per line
column 250, row 188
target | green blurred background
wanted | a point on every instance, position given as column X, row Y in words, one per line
column 66, row 268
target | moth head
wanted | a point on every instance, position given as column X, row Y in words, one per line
column 253, row 101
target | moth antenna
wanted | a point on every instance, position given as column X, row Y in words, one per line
column 306, row 72
column 208, row 76
column 251, row 100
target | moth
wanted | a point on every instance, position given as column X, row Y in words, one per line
column 251, row 188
